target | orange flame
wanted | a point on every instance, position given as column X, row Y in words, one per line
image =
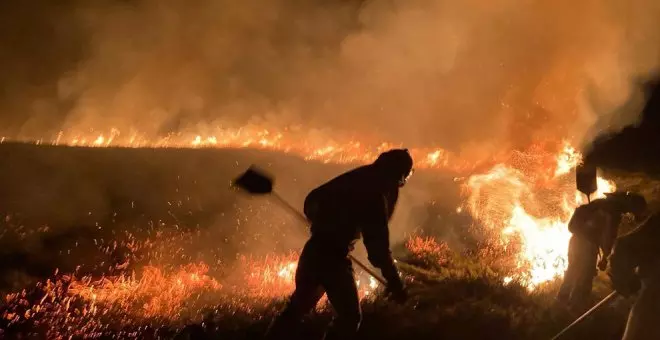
column 154, row 294
column 84, row 307
column 310, row 146
column 517, row 209
column 428, row 250
column 274, row 277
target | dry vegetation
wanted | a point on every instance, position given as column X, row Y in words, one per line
column 455, row 292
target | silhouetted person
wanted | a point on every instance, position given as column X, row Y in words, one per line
column 359, row 202
column 635, row 267
column 594, row 227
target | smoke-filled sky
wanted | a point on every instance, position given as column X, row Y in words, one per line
column 472, row 76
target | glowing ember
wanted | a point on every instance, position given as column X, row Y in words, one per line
column 268, row 278
column 517, row 208
column 154, row 294
column 274, row 277
column 428, row 250
column 68, row 306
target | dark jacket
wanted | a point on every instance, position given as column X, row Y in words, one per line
column 639, row 248
column 357, row 203
column 598, row 222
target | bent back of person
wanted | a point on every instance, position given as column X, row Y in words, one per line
column 340, row 208
column 640, row 250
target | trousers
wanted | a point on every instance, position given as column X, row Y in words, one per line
column 321, row 271
column 578, row 278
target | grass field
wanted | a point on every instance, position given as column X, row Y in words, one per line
column 101, row 212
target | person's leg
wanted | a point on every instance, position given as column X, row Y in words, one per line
column 586, row 261
column 340, row 286
column 569, row 275
column 303, row 300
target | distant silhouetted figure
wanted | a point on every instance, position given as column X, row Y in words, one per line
column 594, row 227
column 635, row 267
column 359, row 202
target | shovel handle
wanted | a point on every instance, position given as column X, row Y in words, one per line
column 586, row 314
column 304, row 219
column 368, row 270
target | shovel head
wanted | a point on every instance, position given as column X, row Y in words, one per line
column 586, row 179
column 254, row 182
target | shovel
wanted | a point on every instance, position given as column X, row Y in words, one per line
column 586, row 179
column 256, row 182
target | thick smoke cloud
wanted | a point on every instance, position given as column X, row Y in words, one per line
column 473, row 76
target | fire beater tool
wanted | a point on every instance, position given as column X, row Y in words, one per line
column 587, row 313
column 586, row 179
column 256, row 182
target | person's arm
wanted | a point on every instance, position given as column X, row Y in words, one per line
column 375, row 233
column 622, row 268
column 609, row 234
column 629, row 252
column 312, row 205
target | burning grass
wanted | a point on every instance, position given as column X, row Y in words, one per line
column 317, row 145
column 452, row 294
column 155, row 294
column 463, row 298
column 148, row 283
column 525, row 206
column 67, row 305
column 429, row 251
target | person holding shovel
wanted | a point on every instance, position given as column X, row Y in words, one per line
column 594, row 227
column 357, row 203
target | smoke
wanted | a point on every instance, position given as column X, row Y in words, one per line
column 471, row 76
